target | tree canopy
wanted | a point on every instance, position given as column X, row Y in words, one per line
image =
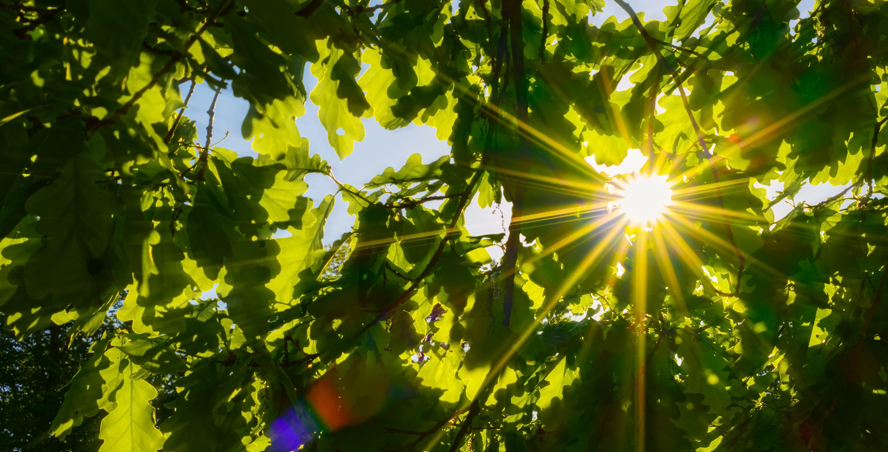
column 717, row 328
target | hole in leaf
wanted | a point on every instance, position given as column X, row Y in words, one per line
column 340, row 131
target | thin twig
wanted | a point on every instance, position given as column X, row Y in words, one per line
column 428, row 268
column 683, row 49
column 396, row 272
column 342, row 187
column 181, row 112
column 206, row 150
column 422, row 435
column 415, row 202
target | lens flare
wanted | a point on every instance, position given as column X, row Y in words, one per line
column 644, row 199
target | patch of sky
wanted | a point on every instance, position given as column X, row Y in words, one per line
column 652, row 9
column 625, row 84
column 805, row 7
column 211, row 294
column 380, row 149
column 710, row 19
column 489, row 220
column 632, row 163
column 810, row 194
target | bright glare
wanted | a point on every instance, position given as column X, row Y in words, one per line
column 644, row 199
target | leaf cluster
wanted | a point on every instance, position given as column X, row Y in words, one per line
column 718, row 330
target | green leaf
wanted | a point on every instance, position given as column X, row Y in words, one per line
column 130, row 424
column 82, row 398
column 340, row 100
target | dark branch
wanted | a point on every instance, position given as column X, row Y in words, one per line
column 415, row 202
column 474, row 409
column 489, row 29
column 434, row 260
column 423, row 435
column 869, row 165
column 396, row 272
column 512, row 11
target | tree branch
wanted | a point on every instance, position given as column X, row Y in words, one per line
column 94, row 123
column 512, row 11
column 206, row 149
column 424, row 434
column 396, row 272
column 428, row 268
column 415, row 202
column 474, row 409
column 489, row 29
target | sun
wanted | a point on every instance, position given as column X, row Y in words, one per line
column 644, row 198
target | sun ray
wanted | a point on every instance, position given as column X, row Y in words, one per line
column 567, row 284
column 640, row 281
column 713, row 214
column 665, row 265
column 722, row 245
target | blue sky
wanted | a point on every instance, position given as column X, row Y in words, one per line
column 381, row 148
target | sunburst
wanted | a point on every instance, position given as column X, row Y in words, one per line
column 644, row 199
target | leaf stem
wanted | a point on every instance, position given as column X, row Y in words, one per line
column 181, row 112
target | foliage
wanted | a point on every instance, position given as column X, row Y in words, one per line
column 34, row 374
column 727, row 331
